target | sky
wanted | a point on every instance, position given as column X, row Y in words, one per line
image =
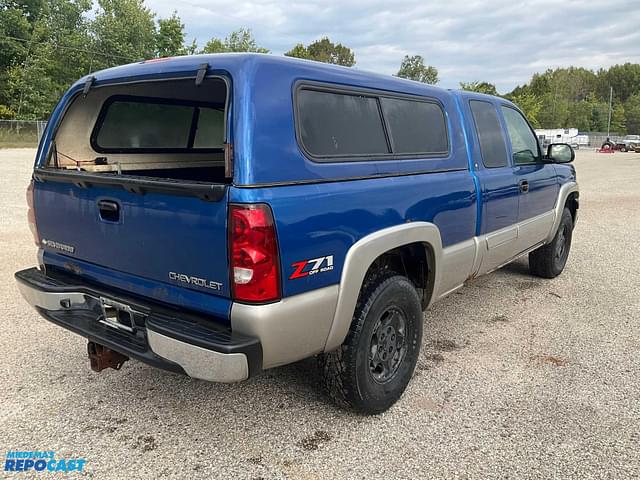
column 503, row 42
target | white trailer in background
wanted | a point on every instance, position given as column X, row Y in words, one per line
column 562, row 135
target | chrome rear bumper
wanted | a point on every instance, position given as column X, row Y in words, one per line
column 168, row 339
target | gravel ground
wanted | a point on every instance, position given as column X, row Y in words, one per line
column 519, row 377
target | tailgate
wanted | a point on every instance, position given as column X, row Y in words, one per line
column 131, row 188
column 169, row 239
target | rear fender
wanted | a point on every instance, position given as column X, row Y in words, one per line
column 360, row 257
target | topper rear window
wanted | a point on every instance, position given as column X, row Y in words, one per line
column 130, row 124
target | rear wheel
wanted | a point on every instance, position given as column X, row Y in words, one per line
column 371, row 369
column 549, row 260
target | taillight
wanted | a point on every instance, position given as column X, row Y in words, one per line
column 253, row 254
column 31, row 214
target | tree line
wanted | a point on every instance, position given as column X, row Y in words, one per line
column 579, row 98
column 45, row 45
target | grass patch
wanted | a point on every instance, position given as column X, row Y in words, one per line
column 10, row 138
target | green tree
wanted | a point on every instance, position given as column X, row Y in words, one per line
column 579, row 97
column 170, row 37
column 238, row 41
column 6, row 113
column 530, row 105
column 57, row 56
column 553, row 112
column 124, row 32
column 15, row 34
column 192, row 48
column 414, row 68
column 632, row 114
column 625, row 80
column 299, row 51
column 580, row 115
column 32, row 87
column 599, row 113
column 618, row 119
column 215, row 45
column 563, row 93
column 571, row 84
column 479, row 87
column 324, row 50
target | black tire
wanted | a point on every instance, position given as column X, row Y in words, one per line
column 388, row 315
column 549, row 260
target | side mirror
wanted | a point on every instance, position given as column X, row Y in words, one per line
column 560, row 153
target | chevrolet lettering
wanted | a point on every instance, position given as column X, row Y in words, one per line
column 199, row 282
column 57, row 246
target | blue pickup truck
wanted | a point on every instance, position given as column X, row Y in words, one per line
column 218, row 215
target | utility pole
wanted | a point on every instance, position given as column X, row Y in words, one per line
column 610, row 103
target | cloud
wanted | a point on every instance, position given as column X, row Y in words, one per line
column 500, row 41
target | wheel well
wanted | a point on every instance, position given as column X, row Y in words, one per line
column 415, row 261
column 572, row 204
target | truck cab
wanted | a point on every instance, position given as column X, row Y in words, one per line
column 218, row 215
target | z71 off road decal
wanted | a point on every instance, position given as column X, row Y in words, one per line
column 311, row 267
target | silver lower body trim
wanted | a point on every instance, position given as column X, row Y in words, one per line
column 289, row 330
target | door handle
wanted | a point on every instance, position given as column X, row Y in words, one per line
column 109, row 210
column 524, row 186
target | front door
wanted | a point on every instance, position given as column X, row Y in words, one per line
column 537, row 181
column 499, row 187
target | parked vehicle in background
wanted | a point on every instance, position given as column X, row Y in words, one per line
column 562, row 135
column 220, row 215
column 629, row 143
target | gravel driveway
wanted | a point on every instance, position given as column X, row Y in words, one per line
column 519, row 377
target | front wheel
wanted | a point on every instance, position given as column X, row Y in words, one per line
column 371, row 369
column 549, row 260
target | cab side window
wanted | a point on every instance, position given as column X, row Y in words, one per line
column 524, row 143
column 492, row 146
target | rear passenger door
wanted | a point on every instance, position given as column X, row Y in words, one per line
column 537, row 180
column 498, row 184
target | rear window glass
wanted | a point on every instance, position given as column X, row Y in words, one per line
column 210, row 129
column 336, row 124
column 415, row 127
column 130, row 124
column 492, row 146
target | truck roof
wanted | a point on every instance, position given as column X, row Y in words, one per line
column 245, row 65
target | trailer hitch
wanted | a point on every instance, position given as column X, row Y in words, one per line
column 102, row 357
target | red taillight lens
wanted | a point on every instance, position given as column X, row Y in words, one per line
column 254, row 254
column 31, row 214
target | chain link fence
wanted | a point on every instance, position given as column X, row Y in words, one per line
column 21, row 133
